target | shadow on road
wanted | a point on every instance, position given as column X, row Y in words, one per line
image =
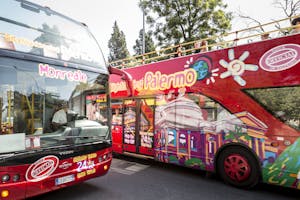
column 213, row 177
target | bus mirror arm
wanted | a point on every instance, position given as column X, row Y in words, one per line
column 125, row 76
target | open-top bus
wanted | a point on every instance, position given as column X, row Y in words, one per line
column 54, row 100
column 233, row 110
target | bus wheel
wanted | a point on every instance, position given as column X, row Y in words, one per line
column 238, row 167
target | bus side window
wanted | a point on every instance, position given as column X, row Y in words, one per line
column 117, row 117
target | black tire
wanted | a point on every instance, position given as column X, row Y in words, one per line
column 238, row 167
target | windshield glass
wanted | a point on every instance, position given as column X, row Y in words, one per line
column 46, row 106
column 38, row 30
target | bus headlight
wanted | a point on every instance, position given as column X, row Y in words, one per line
column 104, row 157
column 5, row 178
column 16, row 177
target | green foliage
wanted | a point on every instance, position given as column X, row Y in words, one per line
column 149, row 44
column 176, row 21
column 117, row 45
column 283, row 103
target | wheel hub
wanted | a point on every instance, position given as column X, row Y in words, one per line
column 237, row 167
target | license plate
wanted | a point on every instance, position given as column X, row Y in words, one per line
column 64, row 179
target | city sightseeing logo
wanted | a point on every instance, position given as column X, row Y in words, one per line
column 280, row 58
column 42, row 168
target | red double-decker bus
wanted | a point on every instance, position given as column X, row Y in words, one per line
column 54, row 99
column 232, row 109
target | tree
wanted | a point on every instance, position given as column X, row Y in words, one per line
column 286, row 109
column 117, row 45
column 175, row 21
column 149, row 44
column 289, row 8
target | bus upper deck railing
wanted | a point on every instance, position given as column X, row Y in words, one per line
column 257, row 33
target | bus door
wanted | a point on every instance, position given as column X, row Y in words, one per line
column 129, row 125
column 139, row 126
column 146, row 126
column 117, row 128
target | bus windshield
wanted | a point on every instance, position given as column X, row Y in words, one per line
column 39, row 111
column 38, row 30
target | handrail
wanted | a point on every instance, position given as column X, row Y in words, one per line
column 226, row 40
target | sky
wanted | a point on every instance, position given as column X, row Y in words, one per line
column 100, row 16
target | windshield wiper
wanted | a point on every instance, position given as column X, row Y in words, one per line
column 6, row 155
column 85, row 137
column 70, row 137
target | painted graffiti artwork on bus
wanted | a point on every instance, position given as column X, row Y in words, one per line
column 193, row 137
column 236, row 67
column 203, row 67
column 232, row 110
column 185, row 120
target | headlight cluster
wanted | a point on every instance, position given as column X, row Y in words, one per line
column 7, row 177
column 105, row 157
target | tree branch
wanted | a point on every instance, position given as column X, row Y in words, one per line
column 243, row 16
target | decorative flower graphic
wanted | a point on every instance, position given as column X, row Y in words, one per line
column 236, row 67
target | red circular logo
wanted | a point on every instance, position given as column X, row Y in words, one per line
column 42, row 168
column 280, row 58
